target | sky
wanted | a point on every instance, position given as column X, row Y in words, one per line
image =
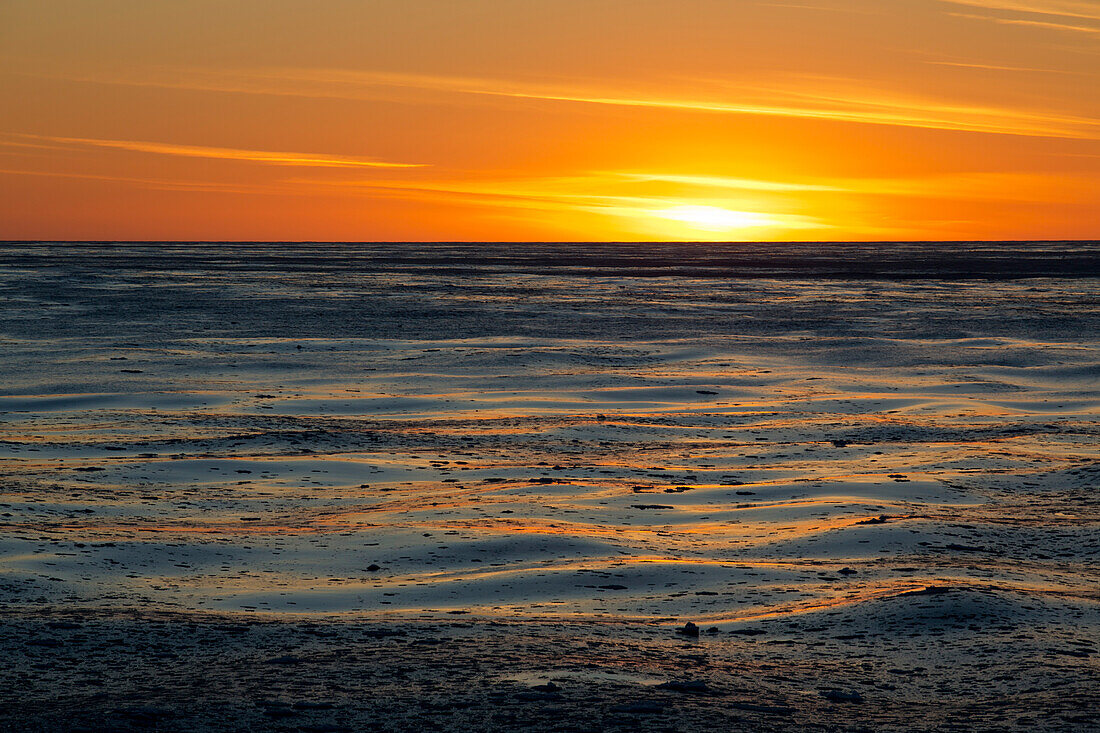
column 547, row 120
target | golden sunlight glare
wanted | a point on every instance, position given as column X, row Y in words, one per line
column 714, row 218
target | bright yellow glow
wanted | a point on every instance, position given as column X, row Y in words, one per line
column 714, row 218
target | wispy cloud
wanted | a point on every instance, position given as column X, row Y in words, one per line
column 844, row 100
column 746, row 184
column 981, row 186
column 1085, row 9
column 314, row 160
column 159, row 184
column 997, row 67
column 638, row 191
column 588, row 194
column 602, row 191
column 1046, row 25
column 847, row 105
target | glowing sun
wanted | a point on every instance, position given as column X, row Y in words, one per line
column 714, row 218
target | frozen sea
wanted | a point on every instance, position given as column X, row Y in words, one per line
column 883, row 437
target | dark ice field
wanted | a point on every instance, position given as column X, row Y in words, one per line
column 344, row 487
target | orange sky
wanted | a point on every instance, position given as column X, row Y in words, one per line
column 549, row 119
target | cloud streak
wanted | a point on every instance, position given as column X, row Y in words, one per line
column 998, row 67
column 844, row 105
column 158, row 184
column 746, row 184
column 1046, row 25
column 848, row 102
column 313, row 160
column 600, row 191
column 1084, row 9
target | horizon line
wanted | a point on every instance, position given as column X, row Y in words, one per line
column 545, row 241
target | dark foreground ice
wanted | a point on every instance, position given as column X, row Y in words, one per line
column 481, row 487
